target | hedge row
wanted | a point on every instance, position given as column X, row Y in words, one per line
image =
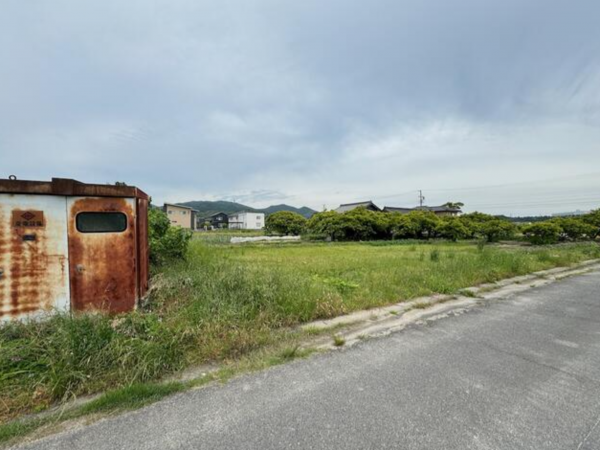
column 362, row 224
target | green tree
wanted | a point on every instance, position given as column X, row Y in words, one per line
column 452, row 228
column 415, row 224
column 165, row 241
column 402, row 227
column 326, row 223
column 286, row 223
column 574, row 229
column 425, row 222
column 454, row 205
column 542, row 233
column 474, row 221
column 360, row 224
column 593, row 218
column 496, row 229
column 357, row 224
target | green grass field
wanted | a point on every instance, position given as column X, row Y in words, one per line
column 226, row 301
column 365, row 275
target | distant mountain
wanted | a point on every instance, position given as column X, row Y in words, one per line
column 207, row 208
column 305, row 210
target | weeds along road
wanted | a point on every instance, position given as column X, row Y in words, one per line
column 522, row 373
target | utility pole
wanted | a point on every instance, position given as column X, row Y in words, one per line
column 421, row 198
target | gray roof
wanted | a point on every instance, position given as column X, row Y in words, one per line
column 213, row 215
column 438, row 208
column 395, row 209
column 350, row 206
column 180, row 206
column 434, row 209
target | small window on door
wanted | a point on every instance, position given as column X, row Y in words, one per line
column 101, row 222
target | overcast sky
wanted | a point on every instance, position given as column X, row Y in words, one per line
column 308, row 102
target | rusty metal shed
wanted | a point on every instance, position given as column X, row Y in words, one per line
column 71, row 246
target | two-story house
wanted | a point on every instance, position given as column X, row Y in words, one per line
column 181, row 216
column 247, row 220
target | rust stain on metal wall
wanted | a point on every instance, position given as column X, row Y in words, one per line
column 103, row 265
column 30, row 281
column 4, row 260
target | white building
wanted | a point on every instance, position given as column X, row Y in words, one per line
column 246, row 220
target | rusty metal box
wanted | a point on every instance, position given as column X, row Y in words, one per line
column 71, row 246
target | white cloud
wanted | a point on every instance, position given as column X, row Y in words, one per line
column 306, row 102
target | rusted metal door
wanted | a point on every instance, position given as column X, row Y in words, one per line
column 102, row 253
column 34, row 269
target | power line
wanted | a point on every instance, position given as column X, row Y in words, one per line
column 590, row 203
column 521, row 183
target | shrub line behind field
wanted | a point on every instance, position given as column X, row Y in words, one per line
column 363, row 224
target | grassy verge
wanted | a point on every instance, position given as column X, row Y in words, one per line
column 122, row 399
column 141, row 394
column 225, row 302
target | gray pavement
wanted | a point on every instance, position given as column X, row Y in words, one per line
column 522, row 373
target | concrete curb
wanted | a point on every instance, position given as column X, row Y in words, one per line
column 360, row 325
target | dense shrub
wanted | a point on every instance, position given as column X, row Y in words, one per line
column 475, row 224
column 358, row 224
column 362, row 224
column 327, row 223
column 165, row 241
column 402, row 227
column 416, row 224
column 542, row 233
column 285, row 222
column 495, row 230
column 452, row 228
column 593, row 219
column 574, row 229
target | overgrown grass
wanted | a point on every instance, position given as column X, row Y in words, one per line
column 131, row 397
column 363, row 275
column 224, row 302
column 285, row 349
column 16, row 429
column 338, row 341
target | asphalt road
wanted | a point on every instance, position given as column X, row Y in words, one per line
column 522, row 373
